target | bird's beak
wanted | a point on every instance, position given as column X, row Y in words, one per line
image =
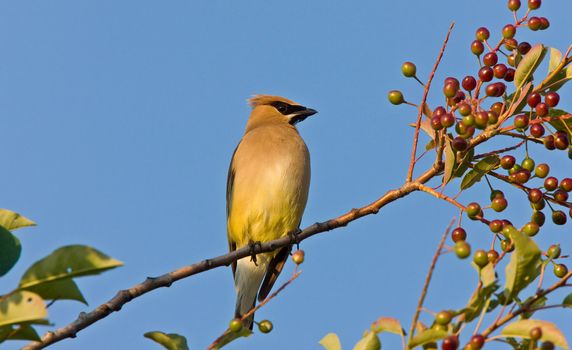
column 301, row 115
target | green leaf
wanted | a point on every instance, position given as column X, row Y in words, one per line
column 567, row 302
column 169, row 341
column 524, row 265
column 62, row 289
column 10, row 250
column 22, row 331
column 464, row 165
column 13, row 221
column 449, row 162
column 487, row 275
column 562, row 125
column 426, row 126
column 387, row 324
column 229, row 337
column 520, row 102
column 370, row 341
column 555, row 59
column 528, row 65
column 479, row 301
column 331, row 342
column 427, row 336
column 561, row 77
column 540, row 302
column 22, row 306
column 479, row 170
column 550, row 332
column 430, row 145
column 66, row 262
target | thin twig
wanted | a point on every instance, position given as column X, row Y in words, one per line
column 422, row 104
column 257, row 307
column 526, row 307
column 124, row 296
column 428, row 279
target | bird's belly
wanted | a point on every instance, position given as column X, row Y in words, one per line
column 266, row 205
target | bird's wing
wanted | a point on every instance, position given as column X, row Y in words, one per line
column 229, row 185
column 274, row 268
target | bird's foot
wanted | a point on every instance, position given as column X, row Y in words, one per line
column 252, row 246
column 294, row 237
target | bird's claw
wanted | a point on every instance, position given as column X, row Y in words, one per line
column 294, row 237
column 252, row 246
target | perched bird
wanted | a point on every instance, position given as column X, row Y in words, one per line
column 267, row 190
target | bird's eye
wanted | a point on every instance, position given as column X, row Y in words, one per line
column 282, row 108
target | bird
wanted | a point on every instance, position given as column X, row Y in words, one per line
column 267, row 190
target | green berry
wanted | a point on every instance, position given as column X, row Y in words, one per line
column 235, row 325
column 395, row 97
column 531, row 228
column 480, row 258
column 265, row 326
column 408, row 69
column 443, row 318
column 542, row 170
column 528, row 164
column 560, row 270
column 473, row 210
column 554, row 251
column 462, row 249
column 499, row 204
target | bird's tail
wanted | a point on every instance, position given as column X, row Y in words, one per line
column 247, row 280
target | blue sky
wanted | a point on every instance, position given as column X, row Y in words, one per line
column 119, row 120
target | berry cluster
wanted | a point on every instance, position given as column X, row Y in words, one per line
column 481, row 106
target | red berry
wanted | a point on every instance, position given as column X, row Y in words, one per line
column 537, row 130
column 544, row 23
column 459, row 144
column 508, row 31
column 549, row 142
column 477, row 47
column 436, row 122
column 486, row 74
column 509, row 76
column 566, row 184
column 477, row 341
column 561, row 195
column 561, row 140
column 551, row 98
column 533, row 99
column 490, row 59
column 534, row 4
column 447, row 120
column 469, row 83
column 459, row 234
column 534, row 195
column 450, row 343
column 507, row 162
column 513, row 5
column 500, row 70
column 534, row 23
column 541, row 109
column 550, row 183
column 439, row 111
column 482, row 34
column 524, row 47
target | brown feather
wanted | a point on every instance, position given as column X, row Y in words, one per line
column 274, row 268
column 258, row 100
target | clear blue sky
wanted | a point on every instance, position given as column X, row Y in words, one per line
column 119, row 119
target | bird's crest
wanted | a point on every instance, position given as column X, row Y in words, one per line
column 259, row 100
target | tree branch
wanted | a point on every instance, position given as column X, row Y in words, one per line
column 122, row 297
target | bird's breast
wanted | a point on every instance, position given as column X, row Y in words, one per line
column 270, row 187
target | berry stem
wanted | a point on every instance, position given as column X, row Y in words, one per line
column 428, row 280
column 420, row 114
